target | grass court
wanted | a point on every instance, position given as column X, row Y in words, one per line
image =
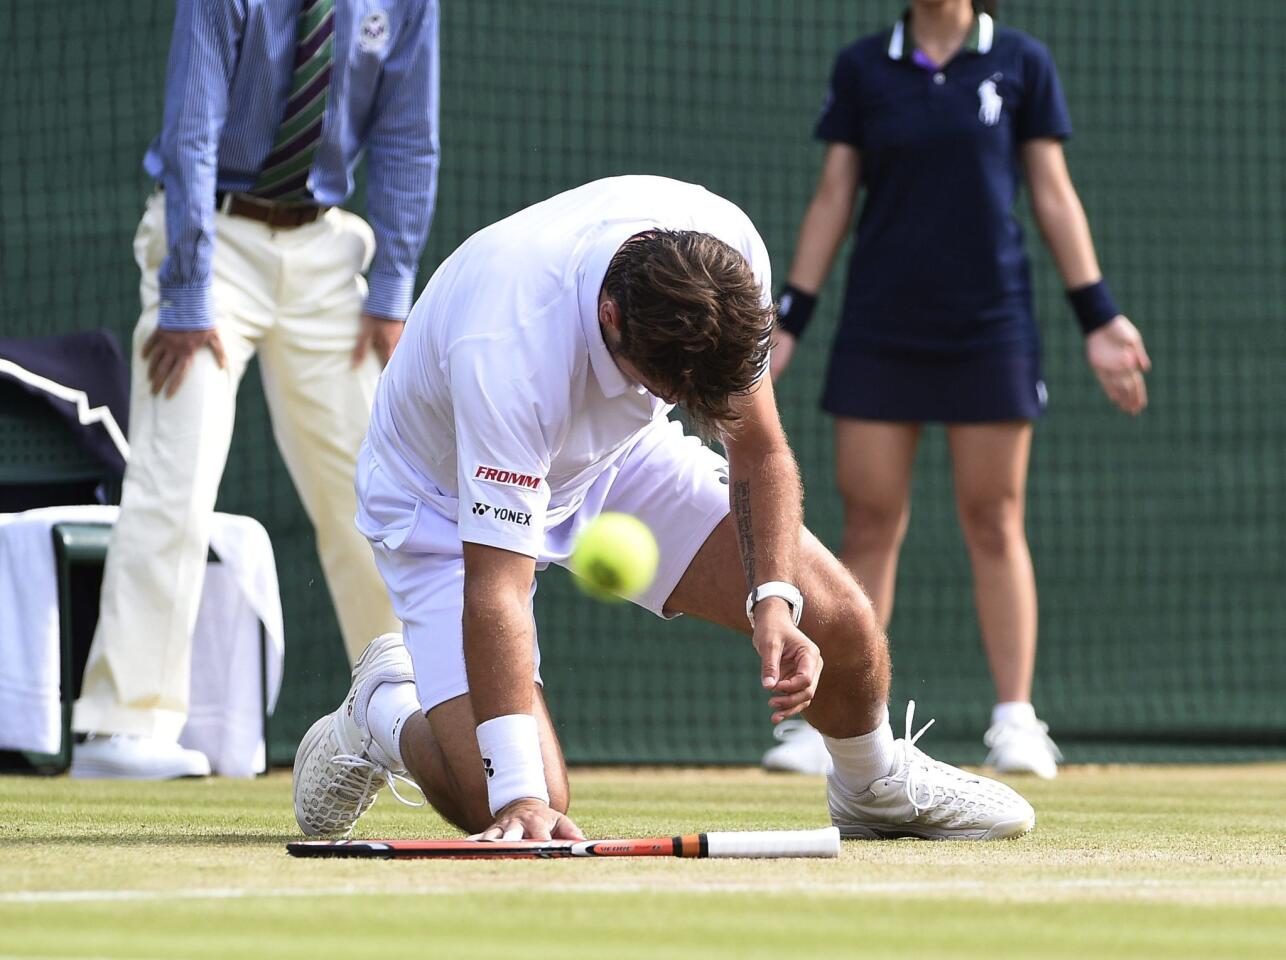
column 1137, row 861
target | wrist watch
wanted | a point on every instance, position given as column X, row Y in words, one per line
column 776, row 588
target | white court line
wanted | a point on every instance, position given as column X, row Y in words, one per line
column 990, row 888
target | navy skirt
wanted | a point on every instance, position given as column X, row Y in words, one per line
column 927, row 386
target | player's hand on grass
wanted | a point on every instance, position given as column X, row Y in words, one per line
column 783, row 348
column 1116, row 353
column 380, row 334
column 169, row 354
column 530, row 819
column 791, row 664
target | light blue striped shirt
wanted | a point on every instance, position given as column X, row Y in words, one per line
column 227, row 81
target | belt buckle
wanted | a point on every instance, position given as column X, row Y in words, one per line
column 289, row 215
column 273, row 210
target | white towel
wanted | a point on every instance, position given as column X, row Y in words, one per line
column 225, row 713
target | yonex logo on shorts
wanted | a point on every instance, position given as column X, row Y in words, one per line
column 507, row 477
column 503, row 513
column 486, row 765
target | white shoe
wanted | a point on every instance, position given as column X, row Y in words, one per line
column 800, row 749
column 123, row 757
column 930, row 800
column 337, row 773
column 1022, row 746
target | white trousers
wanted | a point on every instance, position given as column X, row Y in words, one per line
column 294, row 297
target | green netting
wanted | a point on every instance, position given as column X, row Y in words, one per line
column 1158, row 542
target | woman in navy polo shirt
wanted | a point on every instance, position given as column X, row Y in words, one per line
column 939, row 119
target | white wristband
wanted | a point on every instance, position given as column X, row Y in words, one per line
column 510, row 748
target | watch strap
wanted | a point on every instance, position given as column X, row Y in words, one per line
column 776, row 588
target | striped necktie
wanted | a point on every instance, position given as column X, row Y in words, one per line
column 285, row 173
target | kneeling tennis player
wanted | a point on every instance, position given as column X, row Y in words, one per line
column 531, row 393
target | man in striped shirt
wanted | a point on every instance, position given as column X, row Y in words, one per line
column 269, row 105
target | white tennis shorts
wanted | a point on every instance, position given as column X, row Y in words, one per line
column 672, row 482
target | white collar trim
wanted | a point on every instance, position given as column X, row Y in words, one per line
column 986, row 36
column 896, row 41
column 986, row 32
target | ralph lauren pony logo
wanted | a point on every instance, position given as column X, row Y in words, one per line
column 990, row 102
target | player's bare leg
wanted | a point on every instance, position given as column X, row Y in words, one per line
column 379, row 734
column 838, row 617
column 873, row 464
column 441, row 753
column 878, row 787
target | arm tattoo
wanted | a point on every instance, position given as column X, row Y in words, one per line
column 740, row 502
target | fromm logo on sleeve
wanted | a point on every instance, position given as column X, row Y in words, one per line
column 508, row 478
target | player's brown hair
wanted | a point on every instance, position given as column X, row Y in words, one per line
column 693, row 321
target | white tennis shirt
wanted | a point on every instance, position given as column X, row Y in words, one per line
column 501, row 404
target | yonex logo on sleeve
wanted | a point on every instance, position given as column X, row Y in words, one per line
column 502, row 513
column 508, row 478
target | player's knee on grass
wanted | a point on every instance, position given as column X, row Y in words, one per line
column 472, row 812
column 449, row 766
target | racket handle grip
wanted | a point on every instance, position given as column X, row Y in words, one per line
column 775, row 843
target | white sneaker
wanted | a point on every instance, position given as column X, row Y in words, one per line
column 337, row 776
column 930, row 800
column 800, row 749
column 124, row 757
column 1022, row 746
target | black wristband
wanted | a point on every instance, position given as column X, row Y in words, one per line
column 1093, row 305
column 794, row 310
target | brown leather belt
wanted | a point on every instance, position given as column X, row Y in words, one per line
column 275, row 215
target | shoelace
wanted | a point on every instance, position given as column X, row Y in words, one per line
column 920, row 772
column 356, row 789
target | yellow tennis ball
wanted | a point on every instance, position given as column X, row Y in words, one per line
column 615, row 556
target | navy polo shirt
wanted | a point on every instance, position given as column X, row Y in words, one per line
column 939, row 262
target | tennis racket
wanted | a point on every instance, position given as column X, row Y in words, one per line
column 755, row 844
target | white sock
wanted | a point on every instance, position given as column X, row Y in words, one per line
column 1013, row 711
column 392, row 704
column 860, row 761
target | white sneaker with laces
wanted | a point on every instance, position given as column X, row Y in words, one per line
column 799, row 749
column 124, row 757
column 930, row 800
column 337, row 773
column 1022, row 746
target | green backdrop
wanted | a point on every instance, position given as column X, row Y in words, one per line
column 1158, row 542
